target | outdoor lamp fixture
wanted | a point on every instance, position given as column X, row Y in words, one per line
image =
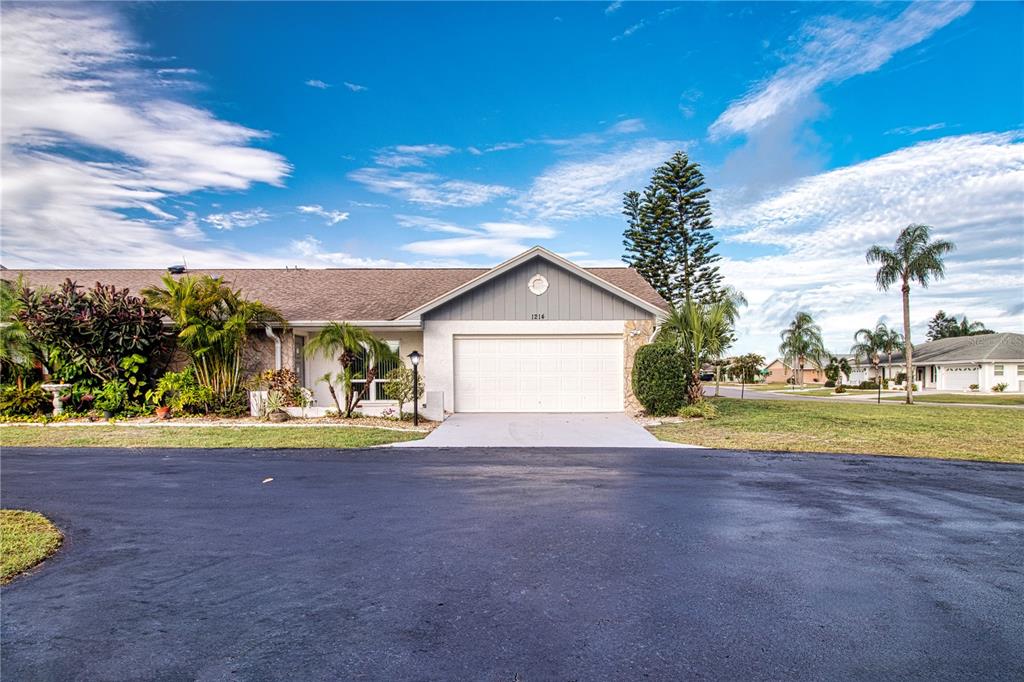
column 875, row 361
column 414, row 358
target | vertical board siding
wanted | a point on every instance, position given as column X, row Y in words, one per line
column 568, row 297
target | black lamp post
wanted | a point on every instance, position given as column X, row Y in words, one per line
column 875, row 360
column 414, row 358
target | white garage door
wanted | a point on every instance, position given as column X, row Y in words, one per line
column 538, row 374
column 960, row 378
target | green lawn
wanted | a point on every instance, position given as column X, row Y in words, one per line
column 201, row 436
column 26, row 538
column 968, row 398
column 819, row 426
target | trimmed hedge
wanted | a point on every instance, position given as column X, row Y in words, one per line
column 659, row 379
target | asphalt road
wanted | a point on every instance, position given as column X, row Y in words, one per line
column 516, row 565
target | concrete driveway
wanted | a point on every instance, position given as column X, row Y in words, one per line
column 519, row 564
column 535, row 430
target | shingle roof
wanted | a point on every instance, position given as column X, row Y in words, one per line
column 330, row 294
column 984, row 347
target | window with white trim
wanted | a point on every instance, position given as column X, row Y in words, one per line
column 1020, row 370
column 376, row 391
column 999, row 370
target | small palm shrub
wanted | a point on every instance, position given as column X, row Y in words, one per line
column 840, row 389
column 112, row 397
column 18, row 401
column 659, row 379
column 705, row 409
column 1000, row 387
column 182, row 392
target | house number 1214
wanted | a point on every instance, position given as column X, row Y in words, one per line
column 537, row 316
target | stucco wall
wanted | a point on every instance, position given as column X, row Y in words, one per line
column 636, row 333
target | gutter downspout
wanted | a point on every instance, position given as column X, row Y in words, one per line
column 277, row 345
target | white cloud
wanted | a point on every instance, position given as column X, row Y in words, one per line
column 74, row 79
column 366, row 204
column 355, row 87
column 629, row 125
column 969, row 188
column 914, row 130
column 831, row 51
column 427, row 189
column 489, row 239
column 643, row 23
column 613, row 7
column 331, row 217
column 320, row 85
column 311, row 250
column 411, row 154
column 233, row 219
column 593, row 185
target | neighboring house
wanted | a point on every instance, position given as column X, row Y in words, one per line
column 779, row 372
column 537, row 333
column 954, row 364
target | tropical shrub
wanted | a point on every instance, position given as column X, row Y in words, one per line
column 284, row 381
column 705, row 409
column 112, row 397
column 973, row 387
column 791, row 381
column 182, row 392
column 868, row 385
column 399, row 386
column 901, row 377
column 23, row 400
column 831, row 383
column 840, row 389
column 746, row 367
column 700, row 333
column 20, row 355
column 212, row 321
column 88, row 333
column 659, row 379
column 998, row 388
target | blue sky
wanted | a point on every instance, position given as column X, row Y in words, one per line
column 391, row 134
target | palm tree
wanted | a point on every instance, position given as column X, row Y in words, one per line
column 359, row 353
column 837, row 367
column 881, row 339
column 213, row 322
column 18, row 354
column 733, row 299
column 914, row 259
column 801, row 341
column 700, row 332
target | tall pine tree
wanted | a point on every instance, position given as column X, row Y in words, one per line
column 668, row 233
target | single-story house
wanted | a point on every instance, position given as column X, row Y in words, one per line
column 536, row 333
column 957, row 363
column 779, row 372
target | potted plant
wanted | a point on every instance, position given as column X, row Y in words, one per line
column 111, row 398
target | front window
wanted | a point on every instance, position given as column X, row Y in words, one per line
column 999, row 370
column 1020, row 370
column 361, row 364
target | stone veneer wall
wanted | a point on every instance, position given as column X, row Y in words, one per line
column 635, row 333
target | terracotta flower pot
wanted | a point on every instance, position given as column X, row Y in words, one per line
column 163, row 412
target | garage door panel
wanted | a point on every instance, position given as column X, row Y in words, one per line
column 538, row 374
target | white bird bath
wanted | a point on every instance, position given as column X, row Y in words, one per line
column 56, row 390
